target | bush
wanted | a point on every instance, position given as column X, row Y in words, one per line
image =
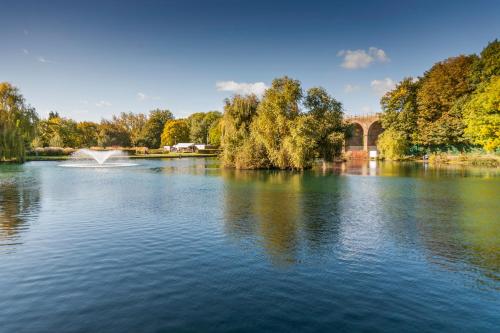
column 393, row 145
column 52, row 151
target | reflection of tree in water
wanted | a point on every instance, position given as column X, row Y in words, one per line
column 458, row 222
column 19, row 202
column 278, row 208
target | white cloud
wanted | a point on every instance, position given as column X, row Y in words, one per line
column 142, row 97
column 85, row 102
column 103, row 104
column 257, row 88
column 43, row 60
column 349, row 88
column 25, row 51
column 355, row 59
column 382, row 86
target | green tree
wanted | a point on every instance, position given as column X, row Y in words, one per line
column 327, row 131
column 399, row 108
column 482, row 115
column 153, row 129
column 393, row 144
column 200, row 123
column 87, row 134
column 239, row 113
column 272, row 126
column 440, row 88
column 175, row 131
column 215, row 133
column 17, row 123
column 57, row 131
column 112, row 134
column 132, row 123
column 488, row 64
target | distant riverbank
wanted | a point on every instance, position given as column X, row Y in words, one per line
column 170, row 155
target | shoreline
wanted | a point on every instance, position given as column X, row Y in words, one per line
column 158, row 156
column 483, row 161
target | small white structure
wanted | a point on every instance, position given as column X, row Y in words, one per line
column 167, row 148
column 373, row 154
column 184, row 147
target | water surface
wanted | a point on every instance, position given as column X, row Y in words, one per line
column 184, row 246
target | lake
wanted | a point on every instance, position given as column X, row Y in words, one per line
column 182, row 245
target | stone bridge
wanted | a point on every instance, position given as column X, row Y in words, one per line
column 366, row 130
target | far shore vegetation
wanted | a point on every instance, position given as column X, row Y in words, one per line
column 449, row 114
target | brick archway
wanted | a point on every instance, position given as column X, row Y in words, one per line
column 370, row 127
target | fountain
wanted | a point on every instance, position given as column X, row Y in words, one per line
column 96, row 159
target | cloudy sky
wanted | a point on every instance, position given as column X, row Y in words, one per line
column 92, row 59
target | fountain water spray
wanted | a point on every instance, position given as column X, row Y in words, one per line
column 99, row 156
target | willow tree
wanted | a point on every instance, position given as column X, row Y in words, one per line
column 239, row 113
column 17, row 124
column 274, row 124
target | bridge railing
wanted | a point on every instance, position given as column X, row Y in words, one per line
column 363, row 116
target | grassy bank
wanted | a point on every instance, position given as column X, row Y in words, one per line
column 485, row 160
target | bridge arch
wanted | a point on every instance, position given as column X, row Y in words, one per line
column 356, row 139
column 374, row 131
column 365, row 132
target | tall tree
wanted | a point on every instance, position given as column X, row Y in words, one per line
column 132, row 123
column 215, row 133
column 152, row 131
column 112, row 134
column 200, row 123
column 17, row 123
column 438, row 123
column 275, row 115
column 175, row 131
column 87, row 134
column 399, row 108
column 488, row 64
column 328, row 134
column 482, row 115
column 239, row 113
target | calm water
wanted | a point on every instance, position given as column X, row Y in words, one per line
column 183, row 246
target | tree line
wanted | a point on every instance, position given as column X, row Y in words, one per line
column 22, row 129
column 128, row 129
column 455, row 105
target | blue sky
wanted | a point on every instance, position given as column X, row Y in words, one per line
column 92, row 59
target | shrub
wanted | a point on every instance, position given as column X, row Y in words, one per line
column 393, row 145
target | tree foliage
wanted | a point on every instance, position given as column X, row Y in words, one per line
column 399, row 108
column 239, row 112
column 275, row 133
column 482, row 115
column 17, row 123
column 328, row 128
column 200, row 124
column 440, row 88
column 175, row 131
column 393, row 144
column 153, row 129
column 454, row 104
column 112, row 134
